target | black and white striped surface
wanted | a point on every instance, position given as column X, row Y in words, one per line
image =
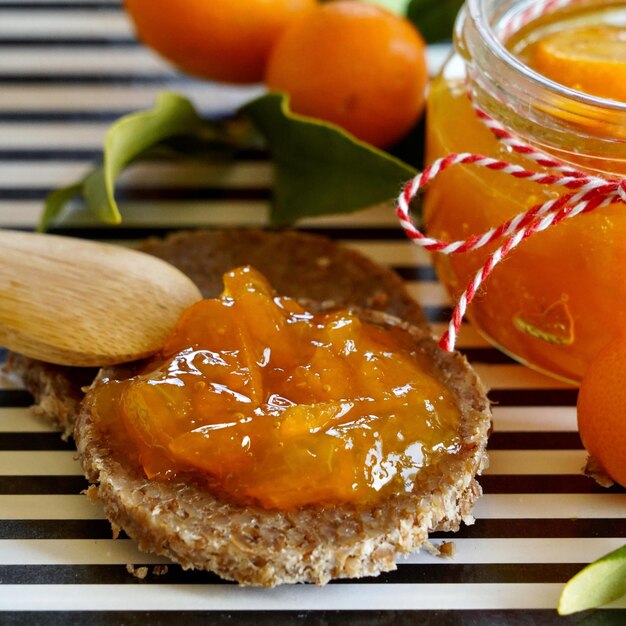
column 67, row 69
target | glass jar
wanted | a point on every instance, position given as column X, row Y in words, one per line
column 561, row 295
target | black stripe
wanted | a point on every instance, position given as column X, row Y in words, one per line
column 95, row 154
column 56, row 529
column 42, row 485
column 491, row 356
column 59, row 6
column 539, row 528
column 67, row 117
column 482, row 529
column 391, row 617
column 390, row 233
column 422, row 273
column 539, row 483
column 435, row 314
column 534, row 397
column 535, row 441
column 34, row 441
column 491, row 483
column 154, row 194
column 348, row 233
column 15, row 398
column 444, row 572
column 68, row 42
column 51, row 154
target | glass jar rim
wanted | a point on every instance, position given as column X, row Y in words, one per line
column 535, row 108
column 477, row 12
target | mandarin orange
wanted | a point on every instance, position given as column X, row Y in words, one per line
column 355, row 65
column 602, row 409
column 224, row 40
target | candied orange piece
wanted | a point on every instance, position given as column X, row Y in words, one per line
column 590, row 59
column 283, row 407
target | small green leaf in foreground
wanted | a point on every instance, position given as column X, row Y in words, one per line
column 320, row 169
column 126, row 139
column 597, row 584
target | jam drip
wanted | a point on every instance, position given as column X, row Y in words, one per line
column 283, row 407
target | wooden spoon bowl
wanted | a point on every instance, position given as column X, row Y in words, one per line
column 75, row 302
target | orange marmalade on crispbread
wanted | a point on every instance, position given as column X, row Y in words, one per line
column 559, row 84
column 273, row 404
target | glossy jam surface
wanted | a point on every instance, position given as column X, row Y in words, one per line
column 561, row 296
column 275, row 405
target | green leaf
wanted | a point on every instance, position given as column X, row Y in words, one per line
column 320, row 169
column 395, row 6
column 434, row 18
column 129, row 137
column 55, row 202
column 597, row 584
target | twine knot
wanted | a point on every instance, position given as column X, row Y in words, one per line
column 584, row 194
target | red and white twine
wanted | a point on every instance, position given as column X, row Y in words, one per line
column 585, row 194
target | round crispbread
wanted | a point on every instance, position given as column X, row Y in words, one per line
column 254, row 546
column 251, row 545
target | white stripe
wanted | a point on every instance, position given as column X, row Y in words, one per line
column 518, row 462
column 206, row 97
column 391, row 252
column 22, row 421
column 49, row 507
column 60, row 24
column 172, row 214
column 429, row 293
column 39, row 462
column 46, row 61
column 78, row 60
column 23, row 135
column 529, row 419
column 490, row 506
column 145, row 175
column 190, row 213
column 63, row 463
column 528, row 462
column 467, row 551
column 526, row 550
column 550, row 506
column 73, row 552
column 368, row 596
column 513, row 376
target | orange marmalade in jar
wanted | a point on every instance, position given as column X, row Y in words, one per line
column 557, row 82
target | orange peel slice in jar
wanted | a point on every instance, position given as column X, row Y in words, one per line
column 591, row 59
column 272, row 404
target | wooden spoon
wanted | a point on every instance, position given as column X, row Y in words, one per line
column 75, row 302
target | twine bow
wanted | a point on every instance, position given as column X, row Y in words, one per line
column 586, row 194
